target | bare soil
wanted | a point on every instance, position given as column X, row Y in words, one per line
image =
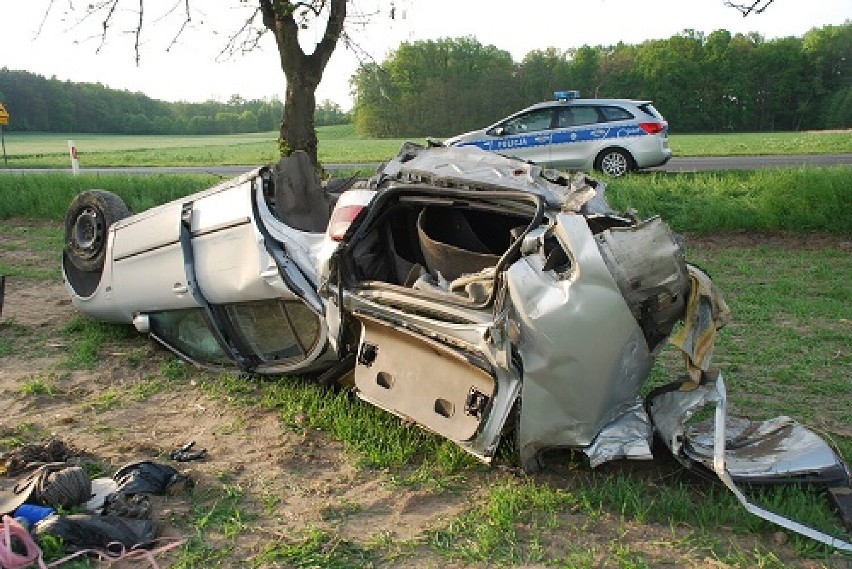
column 290, row 479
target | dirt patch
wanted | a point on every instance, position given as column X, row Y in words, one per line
column 776, row 239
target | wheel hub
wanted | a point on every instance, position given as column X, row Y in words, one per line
column 614, row 164
column 88, row 234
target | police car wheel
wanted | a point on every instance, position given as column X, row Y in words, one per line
column 614, row 162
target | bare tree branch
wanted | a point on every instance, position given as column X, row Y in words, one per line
column 245, row 39
column 755, row 7
column 44, row 19
column 106, row 21
column 183, row 26
column 139, row 30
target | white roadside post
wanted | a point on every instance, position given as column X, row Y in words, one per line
column 72, row 151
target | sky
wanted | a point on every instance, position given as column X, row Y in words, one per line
column 191, row 68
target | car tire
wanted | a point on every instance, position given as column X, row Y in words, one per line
column 614, row 162
column 87, row 223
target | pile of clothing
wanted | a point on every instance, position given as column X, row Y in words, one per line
column 112, row 516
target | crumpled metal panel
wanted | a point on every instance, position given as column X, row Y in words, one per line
column 627, row 437
column 584, row 355
column 778, row 449
column 773, row 447
column 473, row 167
column 649, row 266
column 760, row 451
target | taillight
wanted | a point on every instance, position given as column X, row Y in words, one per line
column 341, row 219
column 652, row 127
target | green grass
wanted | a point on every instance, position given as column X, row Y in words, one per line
column 341, row 144
column 39, row 385
column 47, row 196
column 373, row 435
column 88, row 337
column 338, row 144
column 29, row 250
column 19, row 434
column 794, row 199
column 316, row 548
column 791, row 199
column 527, row 521
column 761, row 143
column 218, row 515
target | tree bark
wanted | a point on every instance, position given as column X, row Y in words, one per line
column 302, row 72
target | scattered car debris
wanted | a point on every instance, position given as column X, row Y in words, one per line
column 186, row 454
column 462, row 290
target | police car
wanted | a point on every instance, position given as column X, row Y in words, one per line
column 613, row 136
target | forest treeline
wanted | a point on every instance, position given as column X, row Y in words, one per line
column 36, row 103
column 717, row 82
column 701, row 83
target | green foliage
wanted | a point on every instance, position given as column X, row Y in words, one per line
column 701, row 83
column 50, row 105
column 434, row 87
column 89, row 336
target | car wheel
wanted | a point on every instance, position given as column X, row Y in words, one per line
column 86, row 224
column 614, row 162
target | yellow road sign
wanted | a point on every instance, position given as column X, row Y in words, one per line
column 4, row 115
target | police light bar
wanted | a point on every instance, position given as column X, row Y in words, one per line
column 566, row 95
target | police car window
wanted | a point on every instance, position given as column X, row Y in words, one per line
column 584, row 115
column 649, row 109
column 529, row 122
column 616, row 114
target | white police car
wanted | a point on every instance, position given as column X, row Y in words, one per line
column 614, row 136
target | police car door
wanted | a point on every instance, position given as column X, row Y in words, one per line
column 526, row 136
column 577, row 136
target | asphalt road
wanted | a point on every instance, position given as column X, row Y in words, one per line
column 676, row 164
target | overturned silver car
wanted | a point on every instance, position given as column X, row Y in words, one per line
column 456, row 288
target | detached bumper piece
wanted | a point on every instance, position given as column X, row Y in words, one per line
column 741, row 451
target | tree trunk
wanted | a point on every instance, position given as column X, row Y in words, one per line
column 297, row 126
column 302, row 72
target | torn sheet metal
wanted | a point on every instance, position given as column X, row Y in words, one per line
column 627, row 437
column 706, row 313
column 574, row 383
column 773, row 449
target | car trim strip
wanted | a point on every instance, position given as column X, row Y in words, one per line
column 557, row 136
column 207, row 231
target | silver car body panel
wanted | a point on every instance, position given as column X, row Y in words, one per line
column 774, row 449
column 562, row 321
column 474, row 350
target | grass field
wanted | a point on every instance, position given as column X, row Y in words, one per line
column 341, row 144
